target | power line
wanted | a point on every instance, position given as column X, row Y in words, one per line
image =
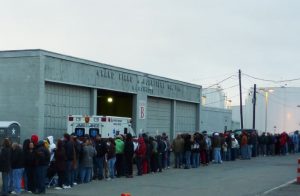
column 269, row 80
column 209, row 77
column 221, row 81
column 221, row 100
column 222, row 89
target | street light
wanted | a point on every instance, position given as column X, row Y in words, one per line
column 267, row 91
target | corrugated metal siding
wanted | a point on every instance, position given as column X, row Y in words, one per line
column 186, row 114
column 62, row 100
column 158, row 115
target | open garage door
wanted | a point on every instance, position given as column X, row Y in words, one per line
column 62, row 100
column 158, row 115
column 186, row 114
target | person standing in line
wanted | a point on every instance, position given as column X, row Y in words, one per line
column 30, row 164
column 17, row 164
column 195, row 151
column 187, row 151
column 119, row 155
column 101, row 150
column 216, row 144
column 111, row 158
column 43, row 160
column 71, row 159
column 5, row 165
column 244, row 146
column 234, row 147
column 60, row 163
column 178, row 147
column 128, row 155
column 88, row 152
column 140, row 155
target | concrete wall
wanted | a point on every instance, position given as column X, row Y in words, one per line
column 215, row 119
column 22, row 91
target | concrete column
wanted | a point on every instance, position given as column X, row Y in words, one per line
column 198, row 116
column 139, row 122
column 173, row 120
column 93, row 101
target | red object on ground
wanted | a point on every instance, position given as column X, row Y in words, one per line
column 125, row 194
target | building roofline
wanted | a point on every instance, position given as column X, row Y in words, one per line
column 42, row 52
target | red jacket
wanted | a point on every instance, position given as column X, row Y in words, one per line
column 141, row 150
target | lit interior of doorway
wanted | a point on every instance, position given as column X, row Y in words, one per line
column 112, row 103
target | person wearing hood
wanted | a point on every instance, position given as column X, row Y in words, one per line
column 140, row 155
column 43, row 160
column 51, row 146
column 60, row 163
column 119, row 155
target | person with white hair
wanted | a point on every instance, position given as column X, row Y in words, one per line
column 216, row 144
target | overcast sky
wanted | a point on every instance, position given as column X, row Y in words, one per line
column 195, row 41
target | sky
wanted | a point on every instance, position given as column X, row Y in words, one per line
column 196, row 41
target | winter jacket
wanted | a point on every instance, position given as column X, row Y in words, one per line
column 178, row 145
column 101, row 148
column 29, row 159
column 70, row 150
column 42, row 156
column 244, row 140
column 141, row 150
column 60, row 159
column 119, row 146
column 128, row 149
column 88, row 152
column 17, row 158
column 111, row 151
column 216, row 142
column 5, row 159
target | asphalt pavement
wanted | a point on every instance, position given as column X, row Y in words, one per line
column 239, row 178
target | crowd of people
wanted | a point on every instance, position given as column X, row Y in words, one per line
column 73, row 160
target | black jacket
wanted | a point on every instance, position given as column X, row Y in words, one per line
column 128, row 149
column 70, row 150
column 29, row 159
column 101, row 148
column 5, row 159
column 17, row 158
column 42, row 156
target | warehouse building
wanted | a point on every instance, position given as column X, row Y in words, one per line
column 39, row 89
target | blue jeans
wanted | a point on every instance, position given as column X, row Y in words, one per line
column 244, row 151
column 17, row 177
column 187, row 155
column 5, row 183
column 196, row 159
column 111, row 166
column 217, row 155
column 249, row 151
column 99, row 161
column 41, row 172
column 85, row 174
column 178, row 159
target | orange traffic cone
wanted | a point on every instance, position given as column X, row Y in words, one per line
column 125, row 194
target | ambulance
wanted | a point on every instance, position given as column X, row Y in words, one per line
column 107, row 126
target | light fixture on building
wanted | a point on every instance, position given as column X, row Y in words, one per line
column 109, row 99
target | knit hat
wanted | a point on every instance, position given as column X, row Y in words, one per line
column 35, row 139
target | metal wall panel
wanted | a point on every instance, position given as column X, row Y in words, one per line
column 186, row 114
column 62, row 100
column 158, row 115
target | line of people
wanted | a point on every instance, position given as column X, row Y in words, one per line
column 79, row 160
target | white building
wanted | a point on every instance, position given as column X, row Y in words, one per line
column 277, row 109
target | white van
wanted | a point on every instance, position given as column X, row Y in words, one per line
column 107, row 126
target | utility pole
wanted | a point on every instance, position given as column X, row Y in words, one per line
column 254, row 104
column 241, row 99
